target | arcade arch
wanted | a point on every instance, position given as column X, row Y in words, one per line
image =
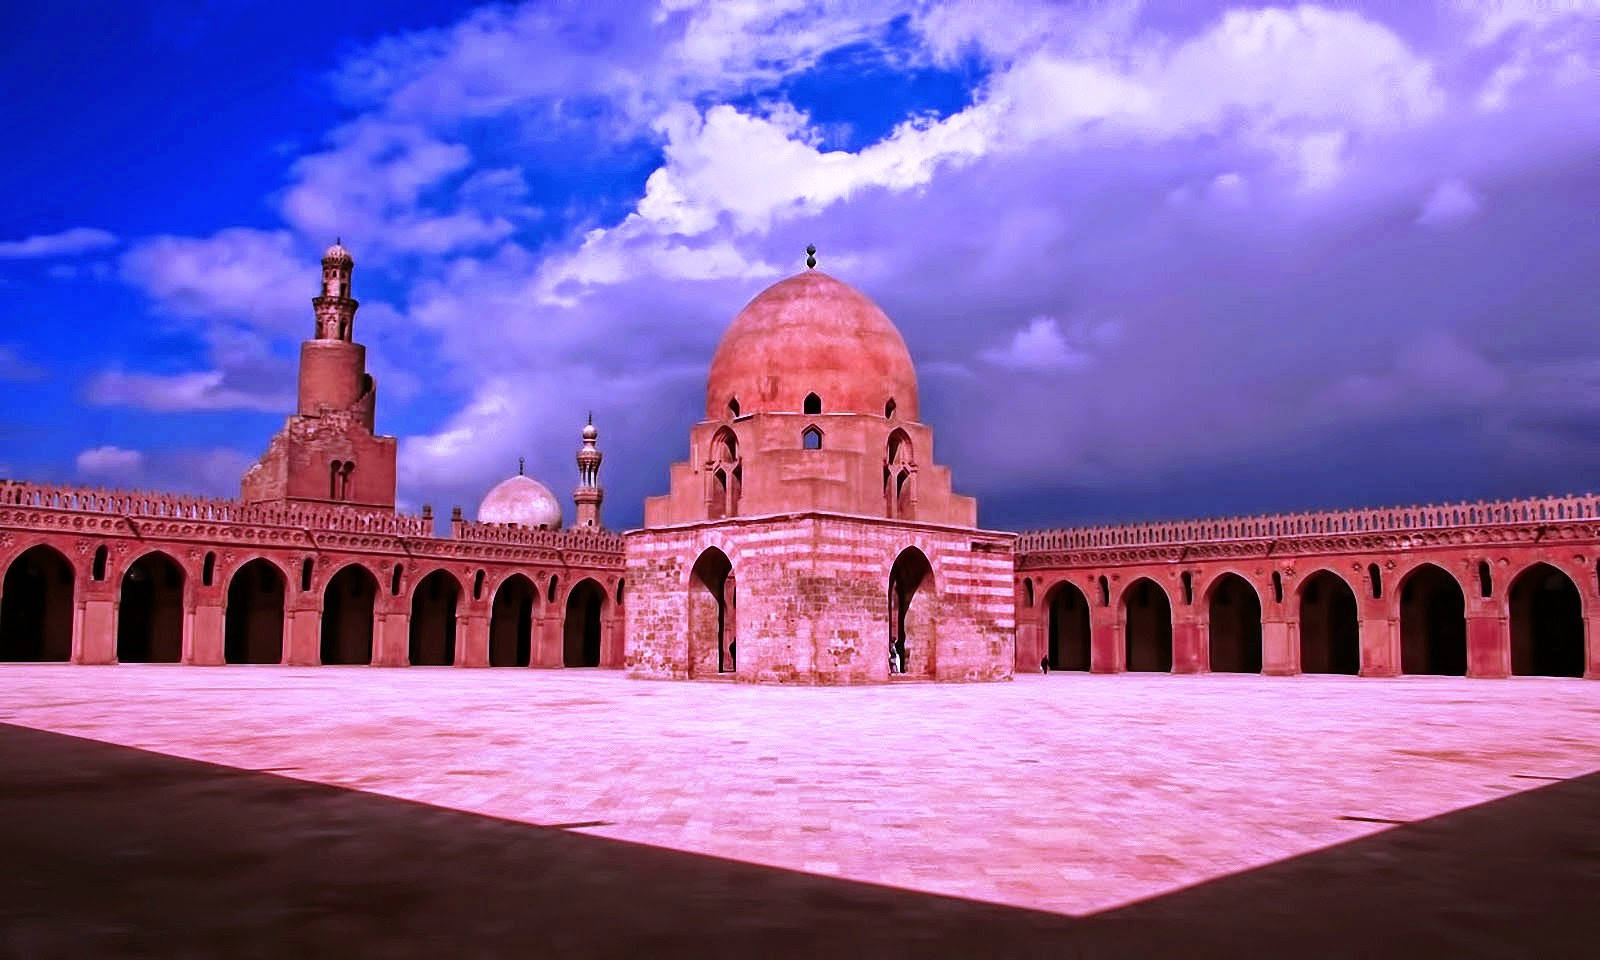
column 150, row 611
column 511, row 623
column 1147, row 627
column 580, row 629
column 1233, row 611
column 1067, row 625
column 1546, row 621
column 36, row 606
column 347, row 609
column 1433, row 624
column 253, row 620
column 433, row 620
column 1330, row 632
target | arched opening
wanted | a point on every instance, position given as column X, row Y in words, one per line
column 1485, row 580
column 150, row 611
column 811, row 438
column 36, row 608
column 97, row 570
column 347, row 616
column 1027, row 591
column 580, row 630
column 511, row 623
column 477, row 585
column 253, row 622
column 1546, row 624
column 1433, row 623
column 1186, row 579
column 1330, row 632
column 733, row 407
column 208, row 569
column 898, row 487
column 1068, row 642
column 812, row 405
column 1374, row 575
column 1235, row 626
column 912, row 628
column 889, row 409
column 713, row 620
column 433, row 620
column 305, row 574
column 1147, row 627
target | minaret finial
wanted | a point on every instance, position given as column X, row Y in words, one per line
column 811, row 256
column 521, row 462
column 591, row 417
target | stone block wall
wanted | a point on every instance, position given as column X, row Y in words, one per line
column 812, row 599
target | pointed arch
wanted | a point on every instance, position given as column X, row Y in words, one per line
column 150, row 610
column 511, row 622
column 1547, row 626
column 812, row 405
column 1147, row 627
column 432, row 641
column 581, row 624
column 712, row 615
column 348, row 603
column 811, row 438
column 1433, row 623
column 1330, row 625
column 1233, row 613
column 36, row 605
column 1067, row 626
column 913, row 626
column 253, row 618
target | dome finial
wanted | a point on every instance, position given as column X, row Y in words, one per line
column 521, row 462
column 811, row 256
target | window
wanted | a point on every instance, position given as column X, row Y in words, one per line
column 1277, row 587
column 394, row 580
column 811, row 439
column 1105, row 593
column 98, row 572
column 733, row 407
column 1377, row 580
column 477, row 586
column 552, row 594
column 1188, row 588
column 305, row 574
column 888, row 409
column 813, row 404
column 208, row 570
column 1027, row 591
column 1485, row 580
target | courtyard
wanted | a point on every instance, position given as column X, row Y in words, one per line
column 169, row 809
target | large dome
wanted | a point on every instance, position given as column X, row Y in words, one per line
column 811, row 334
column 523, row 501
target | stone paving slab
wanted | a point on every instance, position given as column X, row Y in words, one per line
column 1068, row 793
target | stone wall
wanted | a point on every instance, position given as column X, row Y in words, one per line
column 813, row 601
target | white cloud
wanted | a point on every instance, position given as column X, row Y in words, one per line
column 110, row 464
column 252, row 276
column 64, row 244
column 1042, row 346
column 1452, row 201
column 199, row 390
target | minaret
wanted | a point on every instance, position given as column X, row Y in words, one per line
column 327, row 452
column 589, row 492
column 333, row 367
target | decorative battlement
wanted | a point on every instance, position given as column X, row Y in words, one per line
column 139, row 503
column 1284, row 525
column 577, row 538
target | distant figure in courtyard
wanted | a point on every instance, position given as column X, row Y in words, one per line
column 1044, row 665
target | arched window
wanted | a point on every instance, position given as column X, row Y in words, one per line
column 1027, row 591
column 733, row 407
column 333, row 480
column 551, row 593
column 1188, row 588
column 477, row 586
column 1277, row 587
column 208, row 569
column 813, row 404
column 98, row 571
column 619, row 592
column 394, row 580
column 1105, row 593
column 305, row 574
column 888, row 409
column 1485, row 580
column 811, row 439
column 1377, row 580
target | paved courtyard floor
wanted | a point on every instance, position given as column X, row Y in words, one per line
column 1070, row 794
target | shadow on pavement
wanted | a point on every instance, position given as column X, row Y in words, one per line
column 111, row 851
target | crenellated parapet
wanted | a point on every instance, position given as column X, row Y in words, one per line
column 1354, row 529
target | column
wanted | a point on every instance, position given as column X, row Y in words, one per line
column 1488, row 646
column 203, row 642
column 302, row 635
column 1380, row 646
column 1190, row 642
column 1280, row 648
column 391, row 640
column 472, row 638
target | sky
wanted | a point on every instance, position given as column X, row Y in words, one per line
column 1153, row 260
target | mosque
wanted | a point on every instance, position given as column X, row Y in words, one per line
column 808, row 537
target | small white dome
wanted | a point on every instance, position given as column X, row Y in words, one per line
column 523, row 501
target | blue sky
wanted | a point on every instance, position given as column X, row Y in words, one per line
column 1152, row 259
